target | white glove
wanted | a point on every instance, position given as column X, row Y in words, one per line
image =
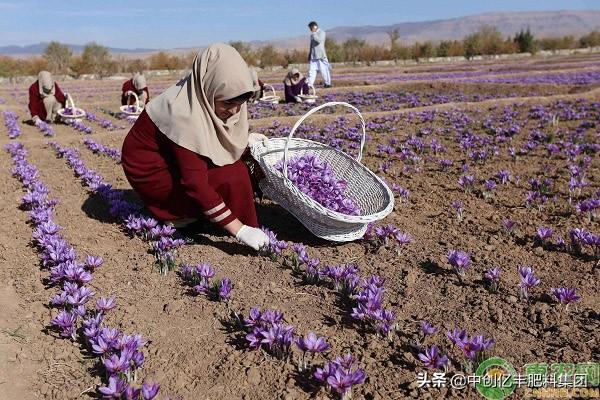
column 252, row 237
column 254, row 138
column 298, row 99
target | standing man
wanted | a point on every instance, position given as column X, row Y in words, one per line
column 317, row 57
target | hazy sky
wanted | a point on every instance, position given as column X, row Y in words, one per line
column 185, row 23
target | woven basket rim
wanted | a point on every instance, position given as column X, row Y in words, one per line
column 259, row 150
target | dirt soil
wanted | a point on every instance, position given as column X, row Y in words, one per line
column 193, row 355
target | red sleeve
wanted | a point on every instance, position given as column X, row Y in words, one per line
column 127, row 86
column 60, row 96
column 36, row 106
column 194, row 178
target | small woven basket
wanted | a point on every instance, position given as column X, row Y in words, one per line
column 76, row 113
column 309, row 98
column 138, row 108
column 272, row 99
column 373, row 197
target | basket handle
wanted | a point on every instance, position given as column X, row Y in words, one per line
column 308, row 114
column 135, row 96
column 314, row 91
column 272, row 89
column 69, row 98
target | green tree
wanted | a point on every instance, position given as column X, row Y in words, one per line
column 95, row 59
column 58, row 57
column 491, row 40
column 394, row 38
column 525, row 41
column 472, row 45
column 244, row 49
column 353, row 49
column 335, row 53
column 423, row 50
column 592, row 39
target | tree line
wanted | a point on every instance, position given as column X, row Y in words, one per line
column 96, row 59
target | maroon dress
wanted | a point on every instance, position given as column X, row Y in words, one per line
column 36, row 102
column 129, row 86
column 177, row 183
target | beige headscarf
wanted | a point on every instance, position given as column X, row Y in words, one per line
column 139, row 81
column 254, row 74
column 45, row 80
column 290, row 80
column 185, row 111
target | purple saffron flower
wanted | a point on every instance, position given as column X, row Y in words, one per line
column 427, row 328
column 312, row 343
column 150, row 390
column 509, row 225
column 466, row 182
column 544, row 233
column 457, row 336
column 528, row 280
column 493, row 277
column 92, row 262
column 402, row 238
column 202, row 288
column 115, row 389
column 460, row 261
column 104, row 305
column 458, row 207
column 225, row 289
column 116, row 365
column 205, row 271
column 433, row 359
column 566, row 295
column 341, row 382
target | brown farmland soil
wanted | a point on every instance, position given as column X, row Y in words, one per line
column 193, row 354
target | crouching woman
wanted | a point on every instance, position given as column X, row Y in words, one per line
column 182, row 156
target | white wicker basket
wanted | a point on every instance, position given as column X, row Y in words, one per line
column 367, row 190
column 138, row 107
column 76, row 113
column 309, row 98
column 272, row 99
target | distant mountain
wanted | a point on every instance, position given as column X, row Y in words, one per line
column 39, row 48
column 541, row 23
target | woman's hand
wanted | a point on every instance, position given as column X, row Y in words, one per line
column 252, row 237
column 254, row 138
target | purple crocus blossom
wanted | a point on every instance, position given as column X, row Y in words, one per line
column 225, row 289
column 528, row 280
column 150, row 390
column 460, row 261
column 432, row 358
column 544, row 233
column 566, row 295
column 427, row 328
column 341, row 375
column 312, row 343
column 115, row 388
column 103, row 304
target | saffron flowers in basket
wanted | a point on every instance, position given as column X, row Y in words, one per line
column 315, row 178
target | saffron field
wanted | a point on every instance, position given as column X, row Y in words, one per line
column 493, row 248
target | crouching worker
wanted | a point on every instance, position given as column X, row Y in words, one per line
column 138, row 85
column 294, row 85
column 45, row 98
column 259, row 86
column 182, row 155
